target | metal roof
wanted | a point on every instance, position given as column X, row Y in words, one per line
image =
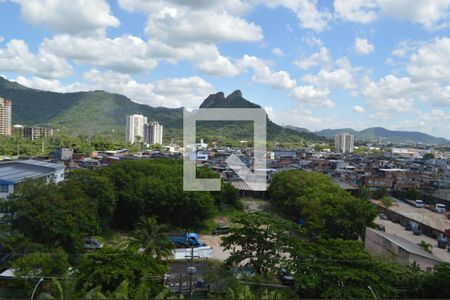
column 13, row 172
column 405, row 244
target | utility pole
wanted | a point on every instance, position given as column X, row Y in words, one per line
column 191, row 270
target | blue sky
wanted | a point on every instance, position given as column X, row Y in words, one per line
column 313, row 64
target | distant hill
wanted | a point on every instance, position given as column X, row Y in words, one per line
column 377, row 133
column 99, row 111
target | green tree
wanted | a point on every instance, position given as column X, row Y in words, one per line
column 387, row 202
column 153, row 238
column 260, row 240
column 426, row 246
column 342, row 269
column 365, row 193
column 51, row 215
column 327, row 210
column 109, row 268
column 427, row 156
column 435, row 285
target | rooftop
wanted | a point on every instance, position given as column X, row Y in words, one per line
column 19, row 170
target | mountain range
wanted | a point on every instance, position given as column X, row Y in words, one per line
column 377, row 134
column 94, row 112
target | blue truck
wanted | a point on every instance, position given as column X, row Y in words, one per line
column 186, row 240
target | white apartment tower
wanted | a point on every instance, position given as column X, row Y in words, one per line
column 135, row 128
column 153, row 133
column 5, row 116
column 344, row 142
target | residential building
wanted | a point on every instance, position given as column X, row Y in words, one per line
column 344, row 142
column 14, row 172
column 5, row 116
column 135, row 128
column 153, row 133
column 34, row 133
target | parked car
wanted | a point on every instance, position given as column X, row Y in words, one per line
column 383, row 217
column 442, row 241
column 286, row 277
column 419, row 203
column 417, row 231
column 440, row 208
column 221, row 229
column 92, row 244
column 380, row 227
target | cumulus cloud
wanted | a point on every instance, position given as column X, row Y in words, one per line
column 169, row 92
column 430, row 14
column 308, row 94
column 277, row 52
column 17, row 58
column 71, row 17
column 431, row 61
column 126, row 54
column 262, row 73
column 362, row 46
column 359, row 109
column 318, row 58
column 339, row 78
column 362, row 11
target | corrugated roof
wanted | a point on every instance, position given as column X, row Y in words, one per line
column 17, row 171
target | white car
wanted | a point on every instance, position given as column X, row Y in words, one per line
column 440, row 208
column 92, row 244
column 419, row 203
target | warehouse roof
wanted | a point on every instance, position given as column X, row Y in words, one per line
column 16, row 171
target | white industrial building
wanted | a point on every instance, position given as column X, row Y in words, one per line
column 14, row 172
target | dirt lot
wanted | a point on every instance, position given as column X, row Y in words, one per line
column 214, row 240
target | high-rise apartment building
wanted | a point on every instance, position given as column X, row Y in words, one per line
column 135, row 128
column 5, row 116
column 344, row 142
column 34, row 133
column 153, row 133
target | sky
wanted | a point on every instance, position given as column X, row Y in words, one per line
column 313, row 64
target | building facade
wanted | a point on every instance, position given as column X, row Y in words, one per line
column 153, row 133
column 135, row 128
column 35, row 133
column 344, row 142
column 5, row 116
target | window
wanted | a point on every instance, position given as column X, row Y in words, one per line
column 4, row 188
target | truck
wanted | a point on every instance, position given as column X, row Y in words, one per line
column 185, row 240
column 189, row 244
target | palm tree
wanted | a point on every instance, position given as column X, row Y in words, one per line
column 153, row 238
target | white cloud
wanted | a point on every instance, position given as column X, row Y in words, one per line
column 126, row 54
column 1, row 39
column 359, row 109
column 308, row 94
column 16, row 57
column 262, row 73
column 362, row 11
column 431, row 61
column 307, row 11
column 313, row 41
column 296, row 116
column 277, row 52
column 339, row 78
column 318, row 58
column 177, row 26
column 169, row 92
column 362, row 46
column 430, row 14
column 71, row 17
